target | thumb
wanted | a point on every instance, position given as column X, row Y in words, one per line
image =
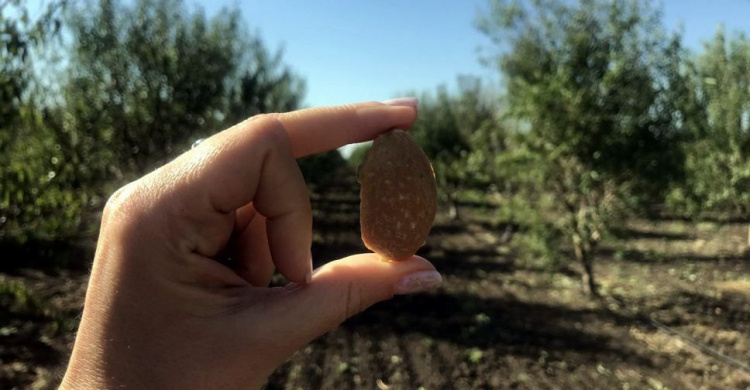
column 341, row 289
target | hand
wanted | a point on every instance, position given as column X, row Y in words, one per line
column 161, row 312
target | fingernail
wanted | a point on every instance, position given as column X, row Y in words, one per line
column 403, row 101
column 418, row 282
column 196, row 143
column 308, row 275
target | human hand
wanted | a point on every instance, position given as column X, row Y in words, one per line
column 161, row 312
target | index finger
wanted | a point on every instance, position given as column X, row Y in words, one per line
column 320, row 129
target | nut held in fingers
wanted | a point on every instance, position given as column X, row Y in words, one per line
column 398, row 196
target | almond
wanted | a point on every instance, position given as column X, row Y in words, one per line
column 398, row 196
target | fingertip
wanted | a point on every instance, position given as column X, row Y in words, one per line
column 383, row 117
column 372, row 269
column 289, row 241
column 293, row 270
column 409, row 101
column 417, row 282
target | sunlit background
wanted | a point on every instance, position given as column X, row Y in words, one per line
column 592, row 162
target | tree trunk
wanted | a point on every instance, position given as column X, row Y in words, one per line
column 588, row 280
column 584, row 255
column 452, row 207
column 453, row 211
column 507, row 234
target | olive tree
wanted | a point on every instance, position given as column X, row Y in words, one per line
column 718, row 151
column 146, row 79
column 588, row 87
column 32, row 198
column 447, row 124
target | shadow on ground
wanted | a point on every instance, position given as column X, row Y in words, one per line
column 507, row 326
column 651, row 257
column 48, row 256
column 635, row 234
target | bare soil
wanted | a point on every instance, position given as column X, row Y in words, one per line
column 496, row 323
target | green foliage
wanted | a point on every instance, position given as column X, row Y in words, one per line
column 34, row 199
column 323, row 169
column 22, row 296
column 17, row 296
column 38, row 198
column 446, row 126
column 474, row 355
column 538, row 244
column 588, row 87
column 718, row 151
column 19, row 35
column 147, row 79
column 266, row 85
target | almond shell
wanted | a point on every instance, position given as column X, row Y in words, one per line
column 398, row 196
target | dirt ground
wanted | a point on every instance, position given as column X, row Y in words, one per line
column 494, row 324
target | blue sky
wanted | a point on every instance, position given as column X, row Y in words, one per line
column 373, row 50
column 367, row 50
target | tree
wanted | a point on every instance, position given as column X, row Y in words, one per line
column 444, row 129
column 19, row 35
column 266, row 85
column 588, row 86
column 146, row 80
column 28, row 189
column 718, row 151
column 323, row 171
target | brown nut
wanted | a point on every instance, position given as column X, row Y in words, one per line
column 398, row 196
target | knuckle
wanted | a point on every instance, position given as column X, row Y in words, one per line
column 121, row 203
column 274, row 136
column 269, row 131
column 115, row 200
